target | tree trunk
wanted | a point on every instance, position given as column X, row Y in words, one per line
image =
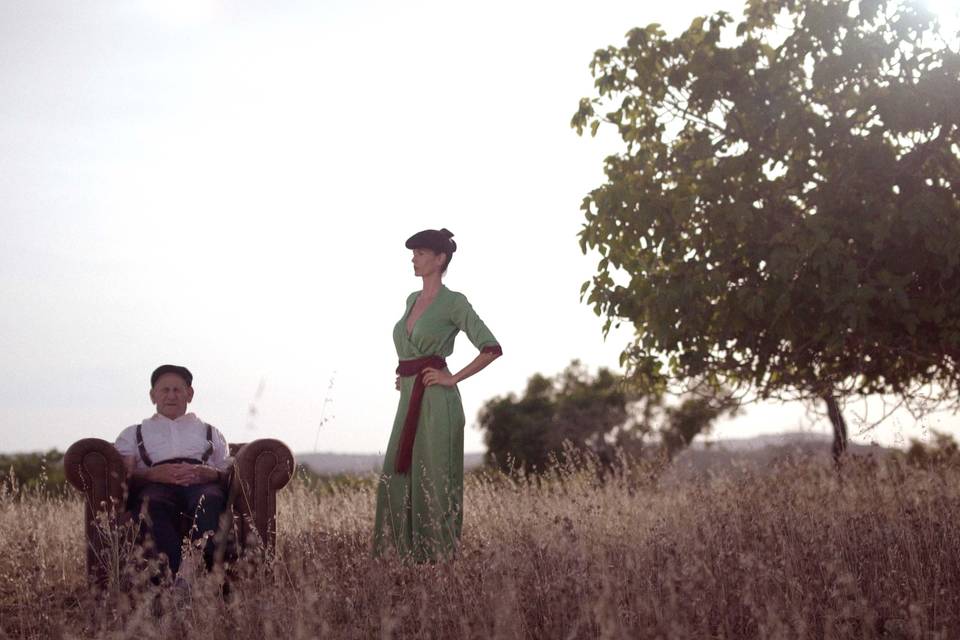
column 839, row 427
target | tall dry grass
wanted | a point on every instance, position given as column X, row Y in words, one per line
column 801, row 552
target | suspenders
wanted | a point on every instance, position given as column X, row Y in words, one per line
column 146, row 458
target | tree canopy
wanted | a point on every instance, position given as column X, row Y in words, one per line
column 785, row 215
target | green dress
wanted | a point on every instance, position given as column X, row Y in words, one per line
column 420, row 514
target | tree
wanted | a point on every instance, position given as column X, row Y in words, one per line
column 518, row 429
column 785, row 217
column 598, row 413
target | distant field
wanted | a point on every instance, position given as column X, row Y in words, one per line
column 336, row 463
column 800, row 552
column 713, row 456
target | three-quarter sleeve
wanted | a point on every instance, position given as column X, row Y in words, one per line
column 467, row 320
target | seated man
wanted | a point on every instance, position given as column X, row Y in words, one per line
column 176, row 464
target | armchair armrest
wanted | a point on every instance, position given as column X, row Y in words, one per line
column 260, row 469
column 96, row 469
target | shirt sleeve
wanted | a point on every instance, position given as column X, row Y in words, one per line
column 220, row 458
column 126, row 443
column 467, row 320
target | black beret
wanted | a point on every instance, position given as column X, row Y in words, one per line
column 438, row 241
column 183, row 372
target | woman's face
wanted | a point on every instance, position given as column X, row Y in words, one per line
column 426, row 262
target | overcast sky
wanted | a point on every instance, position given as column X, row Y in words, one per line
column 228, row 186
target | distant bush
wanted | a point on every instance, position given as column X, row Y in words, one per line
column 942, row 449
column 601, row 414
column 35, row 471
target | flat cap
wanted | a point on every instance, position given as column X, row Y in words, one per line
column 437, row 240
column 176, row 369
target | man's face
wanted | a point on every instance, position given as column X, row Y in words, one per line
column 171, row 394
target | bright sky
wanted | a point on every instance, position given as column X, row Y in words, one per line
column 228, row 185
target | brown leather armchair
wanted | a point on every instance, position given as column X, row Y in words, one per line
column 260, row 469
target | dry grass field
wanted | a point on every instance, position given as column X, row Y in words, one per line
column 800, row 552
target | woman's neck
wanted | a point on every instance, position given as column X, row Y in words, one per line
column 431, row 285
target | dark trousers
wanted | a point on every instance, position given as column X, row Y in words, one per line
column 164, row 507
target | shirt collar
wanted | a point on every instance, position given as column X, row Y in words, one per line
column 185, row 418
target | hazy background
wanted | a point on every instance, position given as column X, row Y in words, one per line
column 228, row 185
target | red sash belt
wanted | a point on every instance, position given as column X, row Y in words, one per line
column 413, row 368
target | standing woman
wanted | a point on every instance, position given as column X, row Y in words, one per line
column 420, row 494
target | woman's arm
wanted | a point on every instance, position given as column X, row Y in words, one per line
column 435, row 376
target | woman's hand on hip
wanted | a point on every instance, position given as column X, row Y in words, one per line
column 433, row 376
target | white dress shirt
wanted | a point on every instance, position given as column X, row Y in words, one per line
column 165, row 439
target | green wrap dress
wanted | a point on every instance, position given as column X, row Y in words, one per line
column 420, row 514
